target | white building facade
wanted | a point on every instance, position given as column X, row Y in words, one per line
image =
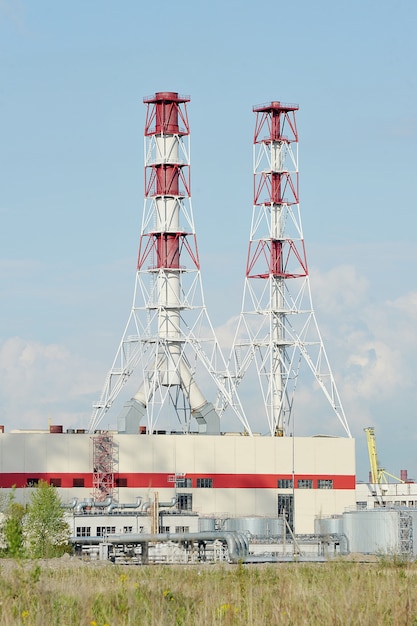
column 220, row 476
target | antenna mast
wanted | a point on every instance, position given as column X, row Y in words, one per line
column 277, row 328
column 168, row 338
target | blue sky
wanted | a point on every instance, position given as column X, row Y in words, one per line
column 72, row 79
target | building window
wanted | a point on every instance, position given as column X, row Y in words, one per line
column 32, row 482
column 121, row 482
column 164, row 529
column 185, row 501
column 102, row 531
column 180, row 480
column 361, row 505
column 183, row 482
column 286, row 509
column 205, row 483
column 305, row 483
column 182, row 529
column 285, row 483
column 78, row 482
column 83, row 531
column 127, row 529
column 55, row 482
column 325, row 483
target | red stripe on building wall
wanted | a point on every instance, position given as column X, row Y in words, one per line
column 164, row 480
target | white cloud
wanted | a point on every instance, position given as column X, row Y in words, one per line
column 41, row 383
column 340, row 290
column 371, row 344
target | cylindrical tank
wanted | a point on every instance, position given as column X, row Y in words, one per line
column 206, row 524
column 55, row 428
column 329, row 525
column 260, row 527
column 372, row 531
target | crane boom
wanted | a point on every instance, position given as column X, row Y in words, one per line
column 373, row 457
column 378, row 474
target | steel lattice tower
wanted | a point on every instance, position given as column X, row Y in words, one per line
column 277, row 330
column 103, row 466
column 168, row 337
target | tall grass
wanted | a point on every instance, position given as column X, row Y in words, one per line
column 336, row 592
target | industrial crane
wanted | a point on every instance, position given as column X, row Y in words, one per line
column 378, row 474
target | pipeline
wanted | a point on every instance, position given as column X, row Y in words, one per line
column 128, row 505
column 70, row 505
column 237, row 542
column 83, row 504
column 147, row 505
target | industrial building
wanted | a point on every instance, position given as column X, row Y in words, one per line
column 171, row 448
column 224, row 476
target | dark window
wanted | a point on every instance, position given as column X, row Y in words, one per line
column 182, row 529
column 32, row 482
column 185, row 501
column 285, row 483
column 286, row 509
column 128, row 529
column 83, row 531
column 325, row 483
column 361, row 505
column 205, row 483
column 121, row 482
column 183, row 482
column 78, row 482
column 305, row 483
column 105, row 530
column 55, row 482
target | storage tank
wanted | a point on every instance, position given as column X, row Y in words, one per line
column 206, row 524
column 329, row 525
column 373, row 531
column 256, row 526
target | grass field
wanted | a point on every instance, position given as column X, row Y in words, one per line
column 71, row 592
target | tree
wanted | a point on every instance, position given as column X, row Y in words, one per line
column 44, row 527
column 11, row 525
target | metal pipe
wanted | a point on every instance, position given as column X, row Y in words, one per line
column 93, row 503
column 237, row 543
column 127, row 505
column 70, row 505
column 169, row 504
column 147, row 505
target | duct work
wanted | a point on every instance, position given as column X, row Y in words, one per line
column 90, row 503
column 236, row 542
column 117, row 506
column 202, row 411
